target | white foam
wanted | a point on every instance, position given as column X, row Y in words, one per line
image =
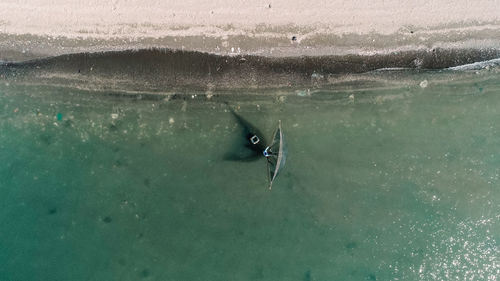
column 392, row 69
column 477, row 65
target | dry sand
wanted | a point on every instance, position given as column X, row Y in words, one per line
column 44, row 27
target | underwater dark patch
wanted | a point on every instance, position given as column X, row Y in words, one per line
column 308, row 276
column 46, row 138
column 113, row 128
column 145, row 273
column 351, row 245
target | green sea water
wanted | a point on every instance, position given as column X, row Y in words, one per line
column 393, row 180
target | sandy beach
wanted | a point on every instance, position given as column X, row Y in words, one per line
column 37, row 28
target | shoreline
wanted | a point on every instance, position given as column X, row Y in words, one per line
column 157, row 70
column 153, row 45
column 21, row 47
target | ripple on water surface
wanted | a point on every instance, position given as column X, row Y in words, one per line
column 384, row 181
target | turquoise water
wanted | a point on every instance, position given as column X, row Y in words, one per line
column 397, row 180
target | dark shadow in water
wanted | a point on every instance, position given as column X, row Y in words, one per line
column 249, row 145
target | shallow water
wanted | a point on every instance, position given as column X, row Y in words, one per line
column 393, row 180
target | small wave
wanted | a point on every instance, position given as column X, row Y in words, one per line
column 394, row 69
column 478, row 65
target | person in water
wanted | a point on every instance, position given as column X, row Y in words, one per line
column 267, row 152
column 253, row 144
column 255, row 140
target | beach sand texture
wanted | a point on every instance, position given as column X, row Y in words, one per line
column 36, row 28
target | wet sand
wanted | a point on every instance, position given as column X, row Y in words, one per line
column 164, row 70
